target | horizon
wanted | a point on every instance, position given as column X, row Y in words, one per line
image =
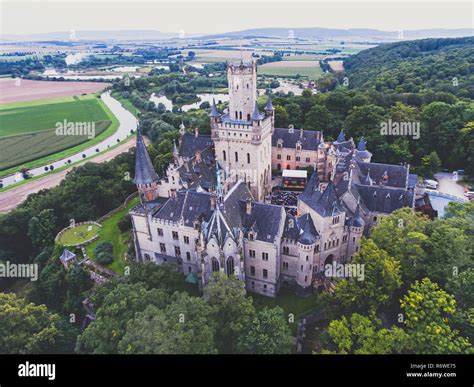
column 149, row 15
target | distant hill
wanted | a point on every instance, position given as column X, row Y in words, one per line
column 415, row 66
column 326, row 33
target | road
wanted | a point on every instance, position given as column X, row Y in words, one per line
column 127, row 123
column 448, row 185
column 15, row 196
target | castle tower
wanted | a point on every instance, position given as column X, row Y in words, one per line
column 146, row 178
column 242, row 135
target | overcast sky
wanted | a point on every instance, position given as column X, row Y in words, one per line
column 195, row 16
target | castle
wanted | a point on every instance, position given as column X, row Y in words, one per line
column 212, row 212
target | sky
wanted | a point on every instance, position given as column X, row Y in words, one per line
column 196, row 16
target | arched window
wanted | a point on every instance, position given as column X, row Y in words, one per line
column 240, row 115
column 279, row 167
column 215, row 264
column 247, row 85
column 224, row 155
column 236, row 115
column 248, row 117
column 230, row 266
column 248, row 158
column 236, row 157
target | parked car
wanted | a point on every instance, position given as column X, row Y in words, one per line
column 469, row 194
column 432, row 184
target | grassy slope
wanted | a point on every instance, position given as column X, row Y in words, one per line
column 111, row 233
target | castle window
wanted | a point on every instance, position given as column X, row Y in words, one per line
column 252, row 270
column 279, row 167
column 248, row 158
column 147, row 257
column 186, row 239
column 298, row 158
column 264, row 288
column 285, row 265
column 305, row 278
column 307, row 258
column 286, row 250
column 252, row 253
column 308, row 159
column 301, row 268
column 317, row 248
column 189, row 269
column 279, row 145
column 224, row 155
column 160, row 231
column 162, row 248
column 253, row 285
column 248, row 117
column 236, row 157
column 215, row 264
column 278, row 157
column 265, row 256
column 240, row 115
column 375, row 218
column 298, row 147
column 177, row 251
column 325, row 246
column 175, row 235
column 265, row 274
column 230, row 266
column 288, row 166
column 353, row 239
column 288, row 157
column 247, row 85
column 188, row 256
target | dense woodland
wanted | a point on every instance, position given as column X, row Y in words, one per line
column 417, row 296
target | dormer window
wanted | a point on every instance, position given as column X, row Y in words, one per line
column 298, row 146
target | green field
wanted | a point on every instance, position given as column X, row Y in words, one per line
column 28, row 119
column 111, row 233
column 312, row 73
column 20, row 149
column 78, row 235
column 31, row 144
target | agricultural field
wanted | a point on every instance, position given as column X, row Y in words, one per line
column 28, row 90
column 27, row 129
column 307, row 68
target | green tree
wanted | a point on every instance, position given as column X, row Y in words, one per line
column 430, row 164
column 266, row 333
column 318, row 118
column 402, row 235
column 231, row 308
column 381, row 279
column 28, row 328
column 428, row 312
column 42, row 229
column 364, row 335
column 183, row 327
column 119, row 306
column 281, row 117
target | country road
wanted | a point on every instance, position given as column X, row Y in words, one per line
column 15, row 196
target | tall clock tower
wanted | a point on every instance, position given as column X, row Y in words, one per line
column 242, row 135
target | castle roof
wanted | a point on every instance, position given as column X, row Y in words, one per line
column 326, row 203
column 309, row 139
column 214, row 112
column 256, row 113
column 269, row 105
column 308, row 233
column 144, row 171
column 264, row 219
column 341, row 137
column 190, row 144
column 356, row 220
column 67, row 255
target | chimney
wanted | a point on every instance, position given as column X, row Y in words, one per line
column 196, row 132
column 248, row 207
column 301, row 133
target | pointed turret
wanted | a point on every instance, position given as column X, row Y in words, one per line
column 356, row 220
column 214, row 112
column 341, row 137
column 144, row 171
column 361, row 146
column 269, row 105
column 256, row 113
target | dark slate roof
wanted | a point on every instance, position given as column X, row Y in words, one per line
column 188, row 206
column 397, row 174
column 256, row 113
column 326, row 203
column 190, row 144
column 144, row 171
column 67, row 255
column 308, row 233
column 309, row 139
column 345, row 146
column 232, row 206
column 356, row 220
column 385, row 199
column 196, row 174
column 269, row 105
column 264, row 219
column 291, row 230
column 151, row 206
column 214, row 112
column 341, row 137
